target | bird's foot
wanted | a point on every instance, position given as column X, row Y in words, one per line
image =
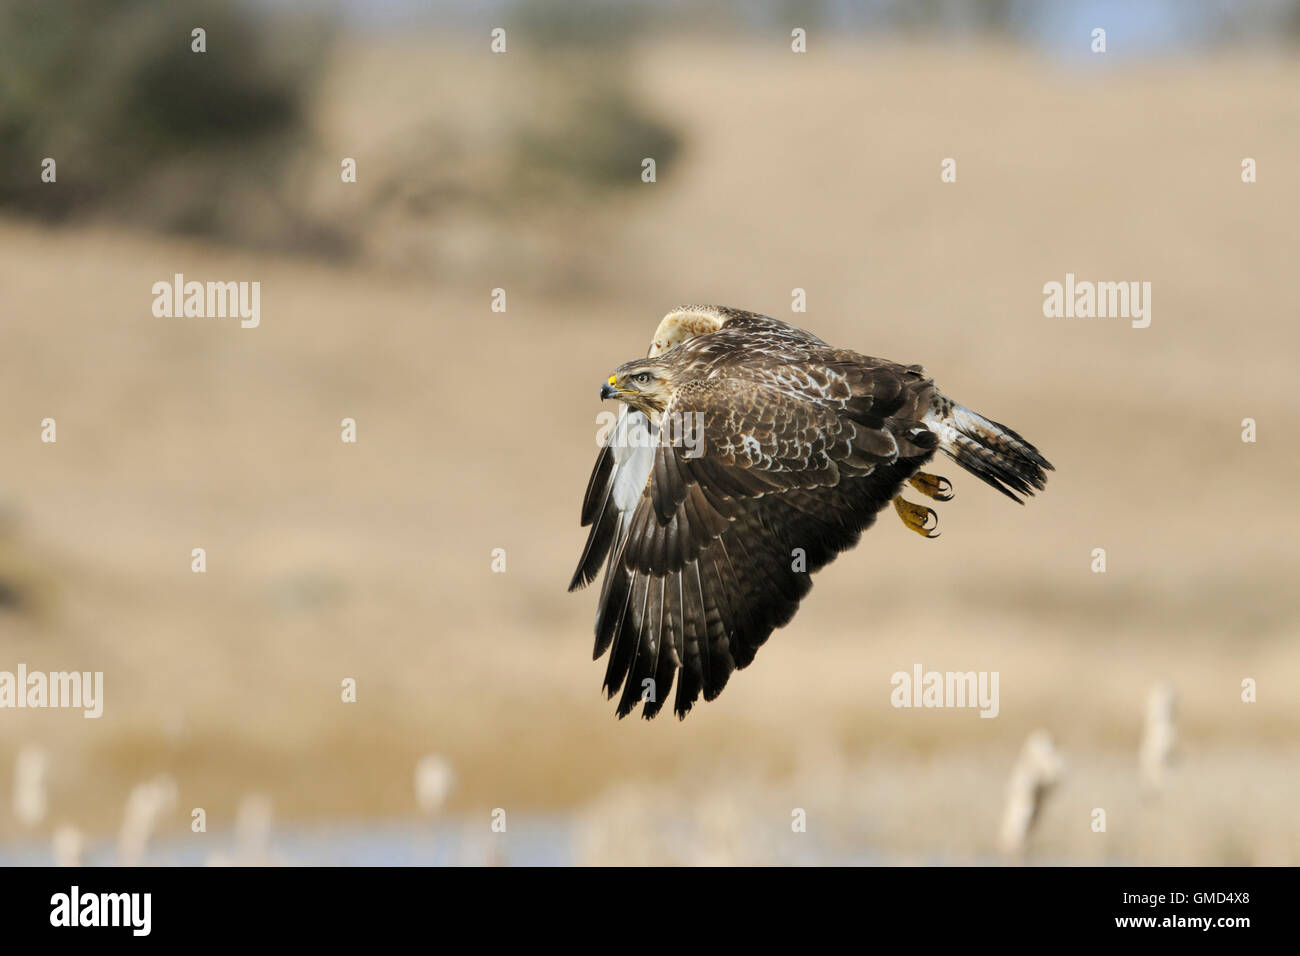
column 918, row 517
column 932, row 486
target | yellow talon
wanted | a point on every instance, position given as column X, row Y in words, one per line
column 917, row 517
column 932, row 486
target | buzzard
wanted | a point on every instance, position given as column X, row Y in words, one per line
column 746, row 455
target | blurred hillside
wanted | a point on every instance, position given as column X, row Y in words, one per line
column 244, row 141
column 476, row 431
column 146, row 130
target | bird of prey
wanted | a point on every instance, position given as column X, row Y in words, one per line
column 746, row 455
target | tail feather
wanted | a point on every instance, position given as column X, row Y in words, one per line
column 989, row 450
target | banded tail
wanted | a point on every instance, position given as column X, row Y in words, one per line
column 989, row 450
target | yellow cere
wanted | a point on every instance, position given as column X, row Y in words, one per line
column 612, row 380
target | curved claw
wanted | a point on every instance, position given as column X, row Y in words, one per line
column 924, row 521
column 932, row 486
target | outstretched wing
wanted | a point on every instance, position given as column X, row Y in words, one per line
column 716, row 550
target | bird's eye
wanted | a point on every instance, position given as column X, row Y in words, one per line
column 641, row 378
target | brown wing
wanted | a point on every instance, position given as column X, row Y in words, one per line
column 701, row 569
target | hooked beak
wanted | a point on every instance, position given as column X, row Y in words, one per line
column 608, row 390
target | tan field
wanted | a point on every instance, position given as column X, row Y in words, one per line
column 476, row 429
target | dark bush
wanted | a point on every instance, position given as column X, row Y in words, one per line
column 140, row 126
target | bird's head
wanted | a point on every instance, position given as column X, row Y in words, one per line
column 644, row 384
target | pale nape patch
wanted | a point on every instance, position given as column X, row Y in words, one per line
column 682, row 324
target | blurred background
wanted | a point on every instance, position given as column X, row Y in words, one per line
column 476, row 698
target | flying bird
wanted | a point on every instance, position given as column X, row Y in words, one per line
column 748, row 453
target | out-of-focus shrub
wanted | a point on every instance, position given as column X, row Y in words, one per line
column 464, row 158
column 144, row 129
